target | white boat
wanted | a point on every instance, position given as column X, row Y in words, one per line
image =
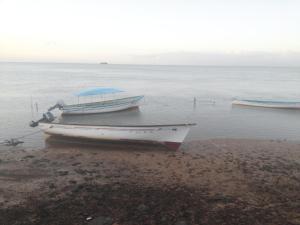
column 268, row 103
column 170, row 135
column 100, row 106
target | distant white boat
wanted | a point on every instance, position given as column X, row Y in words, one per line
column 100, row 106
column 170, row 135
column 268, row 103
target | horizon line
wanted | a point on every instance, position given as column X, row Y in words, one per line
column 142, row 64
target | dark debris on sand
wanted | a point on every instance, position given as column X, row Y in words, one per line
column 219, row 182
column 131, row 204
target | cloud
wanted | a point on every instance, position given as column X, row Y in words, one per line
column 220, row 59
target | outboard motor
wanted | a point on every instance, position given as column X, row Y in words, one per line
column 60, row 104
column 47, row 117
column 34, row 123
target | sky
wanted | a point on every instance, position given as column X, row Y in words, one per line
column 205, row 32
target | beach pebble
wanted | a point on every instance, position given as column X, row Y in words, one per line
column 52, row 186
column 181, row 222
column 142, row 208
column 62, row 173
column 101, row 220
column 72, row 181
column 28, row 157
column 89, row 218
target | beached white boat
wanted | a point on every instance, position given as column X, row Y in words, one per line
column 170, row 135
column 100, row 106
column 268, row 103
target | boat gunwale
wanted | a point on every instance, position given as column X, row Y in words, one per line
column 138, row 97
column 155, row 125
column 95, row 106
column 265, row 102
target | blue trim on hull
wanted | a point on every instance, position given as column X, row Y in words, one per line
column 269, row 101
column 86, row 107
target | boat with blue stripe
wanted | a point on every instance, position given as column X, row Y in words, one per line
column 103, row 106
column 280, row 104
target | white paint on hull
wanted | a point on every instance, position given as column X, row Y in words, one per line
column 267, row 105
column 155, row 133
column 104, row 110
column 102, row 107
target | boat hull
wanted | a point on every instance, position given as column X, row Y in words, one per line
column 170, row 135
column 103, row 106
column 268, row 104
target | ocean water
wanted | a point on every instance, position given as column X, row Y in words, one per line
column 169, row 97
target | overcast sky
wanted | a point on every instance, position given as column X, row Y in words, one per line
column 208, row 32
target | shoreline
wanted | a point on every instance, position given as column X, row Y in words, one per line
column 228, row 181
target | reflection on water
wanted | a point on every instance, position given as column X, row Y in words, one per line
column 170, row 97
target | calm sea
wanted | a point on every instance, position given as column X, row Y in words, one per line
column 169, row 92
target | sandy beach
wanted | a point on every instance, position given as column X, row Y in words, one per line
column 221, row 181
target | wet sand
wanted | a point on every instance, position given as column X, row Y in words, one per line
column 221, row 181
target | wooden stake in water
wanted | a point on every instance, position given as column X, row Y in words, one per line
column 31, row 105
column 36, row 107
column 195, row 102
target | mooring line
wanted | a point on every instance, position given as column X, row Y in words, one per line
column 16, row 141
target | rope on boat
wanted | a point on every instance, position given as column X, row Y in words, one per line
column 16, row 141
